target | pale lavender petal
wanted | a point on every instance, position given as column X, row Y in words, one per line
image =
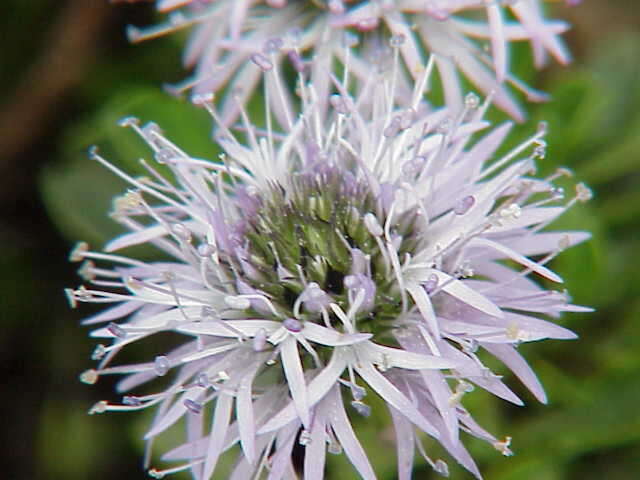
column 221, row 418
column 316, row 449
column 394, row 397
column 316, row 390
column 344, row 432
column 512, row 359
column 404, row 444
column 521, row 259
column 295, row 378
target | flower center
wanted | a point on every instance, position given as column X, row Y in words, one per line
column 320, row 240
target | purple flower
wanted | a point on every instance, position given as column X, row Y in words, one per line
column 226, row 33
column 357, row 253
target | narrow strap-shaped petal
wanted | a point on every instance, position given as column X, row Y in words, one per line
column 423, row 302
column 394, row 397
column 317, row 389
column 462, row 292
column 517, row 257
column 518, row 365
column 404, row 444
column 245, row 415
column 400, row 358
column 316, row 450
column 221, row 418
column 344, row 432
column 175, row 413
column 295, row 378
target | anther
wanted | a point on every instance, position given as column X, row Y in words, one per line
column 131, row 400
column 292, row 325
column 87, row 270
column 441, row 468
column 193, row 406
column 129, row 122
column 362, row 408
column 464, row 205
column 71, row 297
column 542, row 128
column 203, row 381
column 583, row 193
column 98, row 352
column 116, row 330
column 78, row 252
column 161, row 365
column 99, row 407
column 471, row 100
column 262, row 62
column 260, row 340
column 431, row 284
column 503, row 447
column 90, row 377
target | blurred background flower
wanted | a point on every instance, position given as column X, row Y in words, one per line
column 470, row 37
column 69, row 75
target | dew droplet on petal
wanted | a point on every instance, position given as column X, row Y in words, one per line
column 542, row 128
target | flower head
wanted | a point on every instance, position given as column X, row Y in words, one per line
column 228, row 32
column 354, row 254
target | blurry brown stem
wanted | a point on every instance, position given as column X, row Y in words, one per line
column 69, row 48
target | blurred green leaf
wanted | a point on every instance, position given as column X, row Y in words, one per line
column 78, row 192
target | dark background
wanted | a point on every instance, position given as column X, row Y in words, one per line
column 68, row 74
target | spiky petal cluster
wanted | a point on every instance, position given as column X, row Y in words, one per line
column 358, row 253
column 229, row 32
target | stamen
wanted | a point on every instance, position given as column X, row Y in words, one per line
column 161, row 365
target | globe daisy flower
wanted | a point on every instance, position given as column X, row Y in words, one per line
column 370, row 251
column 470, row 37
